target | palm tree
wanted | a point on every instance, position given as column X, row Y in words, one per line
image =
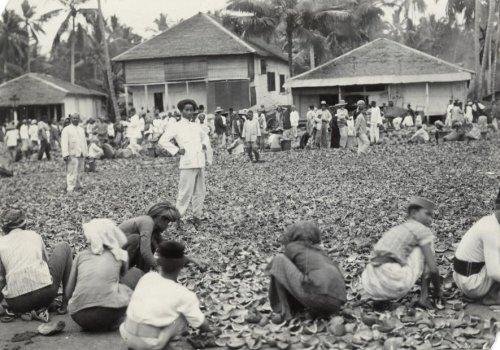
column 161, row 23
column 71, row 10
column 32, row 27
column 12, row 42
column 487, row 45
column 295, row 18
column 107, row 60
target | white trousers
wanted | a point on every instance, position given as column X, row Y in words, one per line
column 374, row 134
column 191, row 189
column 74, row 170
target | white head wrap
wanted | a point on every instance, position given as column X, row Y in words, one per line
column 101, row 233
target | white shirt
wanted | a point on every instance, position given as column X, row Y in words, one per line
column 408, row 121
column 375, row 116
column 11, row 137
column 24, row 132
column 21, row 253
column 396, row 122
column 111, row 130
column 418, row 120
column 251, row 130
column 468, row 113
column 33, row 131
column 351, row 130
column 325, row 115
column 448, row 110
column 158, row 302
column 471, row 247
column 73, row 142
column 191, row 138
column 294, row 118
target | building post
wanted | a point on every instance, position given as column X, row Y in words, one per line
column 426, row 99
column 146, row 96
column 187, row 88
column 166, row 102
column 126, row 99
column 340, row 93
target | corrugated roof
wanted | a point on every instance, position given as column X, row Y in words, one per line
column 200, row 35
column 381, row 57
column 40, row 89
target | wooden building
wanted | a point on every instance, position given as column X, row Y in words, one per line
column 383, row 70
column 36, row 95
column 200, row 59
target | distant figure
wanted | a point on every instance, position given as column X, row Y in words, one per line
column 74, row 151
column 294, row 121
column 263, row 128
column 447, row 121
column 342, row 115
column 287, row 124
column 420, row 136
column 12, row 140
column 360, row 127
column 326, row 117
column 251, row 133
column 334, row 132
column 44, row 137
column 33, row 132
column 25, row 139
column 220, row 127
column 396, row 123
column 375, row 121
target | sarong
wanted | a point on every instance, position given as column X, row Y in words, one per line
column 474, row 286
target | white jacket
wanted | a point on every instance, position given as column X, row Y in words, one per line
column 73, row 142
column 191, row 138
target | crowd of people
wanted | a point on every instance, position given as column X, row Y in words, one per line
column 127, row 278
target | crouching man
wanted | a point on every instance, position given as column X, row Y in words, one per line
column 477, row 260
column 402, row 256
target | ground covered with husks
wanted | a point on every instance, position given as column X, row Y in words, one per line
column 353, row 199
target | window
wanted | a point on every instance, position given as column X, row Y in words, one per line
column 282, row 83
column 263, row 67
column 271, row 81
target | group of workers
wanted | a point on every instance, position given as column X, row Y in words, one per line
column 127, row 277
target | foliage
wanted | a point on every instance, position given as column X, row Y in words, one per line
column 13, row 42
column 353, row 200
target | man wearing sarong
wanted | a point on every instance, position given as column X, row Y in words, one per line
column 477, row 260
column 326, row 117
column 192, row 144
column 304, row 278
column 342, row 115
column 402, row 256
column 375, row 121
column 360, row 127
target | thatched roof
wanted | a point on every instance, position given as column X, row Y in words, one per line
column 381, row 61
column 41, row 89
column 200, row 35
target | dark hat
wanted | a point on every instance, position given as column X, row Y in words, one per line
column 422, row 203
column 497, row 201
column 13, row 218
column 182, row 103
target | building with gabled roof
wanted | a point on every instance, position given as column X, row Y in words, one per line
column 37, row 95
column 201, row 59
column 383, row 70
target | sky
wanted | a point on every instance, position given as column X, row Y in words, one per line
column 139, row 14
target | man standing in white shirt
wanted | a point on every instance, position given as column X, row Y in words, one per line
column 74, row 150
column 192, row 144
column 375, row 121
column 33, row 132
column 25, row 138
column 11, row 140
column 294, row 121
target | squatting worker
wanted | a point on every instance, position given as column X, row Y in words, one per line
column 192, row 143
column 477, row 260
column 74, row 150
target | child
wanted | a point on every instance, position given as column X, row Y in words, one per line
column 160, row 308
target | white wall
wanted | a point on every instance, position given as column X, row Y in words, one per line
column 271, row 98
column 176, row 92
column 85, row 106
column 230, row 67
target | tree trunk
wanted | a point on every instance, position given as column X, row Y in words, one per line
column 289, row 50
column 487, row 45
column 28, row 51
column 72, row 68
column 477, row 48
column 109, row 73
column 312, row 57
column 495, row 56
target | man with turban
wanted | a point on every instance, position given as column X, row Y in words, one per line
column 401, row 256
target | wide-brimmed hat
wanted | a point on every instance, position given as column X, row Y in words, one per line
column 323, row 103
column 341, row 103
column 13, row 218
column 361, row 103
column 218, row 109
column 187, row 101
column 421, row 202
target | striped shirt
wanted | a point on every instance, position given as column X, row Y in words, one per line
column 400, row 241
column 21, row 254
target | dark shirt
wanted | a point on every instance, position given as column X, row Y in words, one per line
column 286, row 120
